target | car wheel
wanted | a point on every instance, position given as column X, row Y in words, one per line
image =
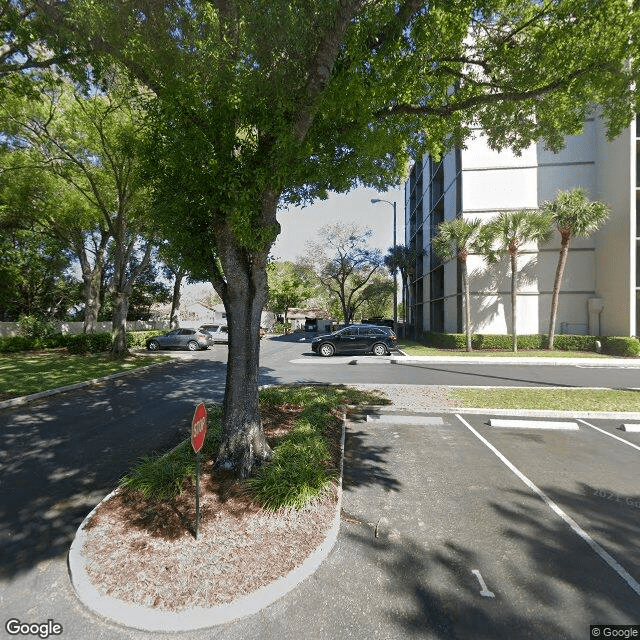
column 326, row 350
column 153, row 345
column 379, row 349
column 192, row 345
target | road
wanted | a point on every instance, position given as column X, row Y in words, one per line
column 61, row 455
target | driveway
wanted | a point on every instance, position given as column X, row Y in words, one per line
column 425, row 507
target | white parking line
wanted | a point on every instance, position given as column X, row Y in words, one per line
column 610, row 560
column 485, row 593
column 611, row 435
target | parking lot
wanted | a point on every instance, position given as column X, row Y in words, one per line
column 483, row 531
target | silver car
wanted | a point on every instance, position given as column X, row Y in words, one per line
column 191, row 339
column 217, row 332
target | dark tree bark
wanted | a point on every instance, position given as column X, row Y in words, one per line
column 244, row 292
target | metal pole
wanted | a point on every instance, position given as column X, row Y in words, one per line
column 198, row 456
column 395, row 276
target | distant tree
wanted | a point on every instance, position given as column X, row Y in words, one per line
column 344, row 264
column 572, row 215
column 456, row 239
column 377, row 297
column 509, row 231
column 89, row 144
column 262, row 104
column 34, row 276
column 403, row 259
column 289, row 286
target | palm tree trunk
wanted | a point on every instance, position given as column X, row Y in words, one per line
column 467, row 303
column 514, row 298
column 562, row 260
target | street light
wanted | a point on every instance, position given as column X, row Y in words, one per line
column 395, row 271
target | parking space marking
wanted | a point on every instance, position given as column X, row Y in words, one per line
column 390, row 418
column 611, row 435
column 485, row 593
column 533, row 424
column 576, row 528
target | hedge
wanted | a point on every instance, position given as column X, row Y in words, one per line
column 75, row 343
column 88, row 342
column 615, row 346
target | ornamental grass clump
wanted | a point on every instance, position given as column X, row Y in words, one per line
column 299, row 472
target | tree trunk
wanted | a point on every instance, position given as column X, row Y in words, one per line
column 174, row 318
column 467, row 304
column 562, row 260
column 92, row 283
column 514, row 300
column 244, row 293
column 119, row 324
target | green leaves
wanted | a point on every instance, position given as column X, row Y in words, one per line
column 574, row 214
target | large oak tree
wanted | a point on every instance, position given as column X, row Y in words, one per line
column 265, row 102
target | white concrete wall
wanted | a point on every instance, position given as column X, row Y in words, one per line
column 616, row 247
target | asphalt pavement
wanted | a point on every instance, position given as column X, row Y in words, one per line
column 433, row 518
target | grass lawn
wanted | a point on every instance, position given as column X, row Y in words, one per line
column 553, row 399
column 30, row 372
column 416, row 349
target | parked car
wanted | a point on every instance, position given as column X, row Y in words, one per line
column 356, row 338
column 191, row 339
column 220, row 332
column 217, row 332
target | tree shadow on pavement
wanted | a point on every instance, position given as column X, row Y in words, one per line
column 547, row 582
column 59, row 457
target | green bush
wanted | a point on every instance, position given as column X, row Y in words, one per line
column 139, row 338
column 282, row 327
column 38, row 330
column 565, row 342
column 14, row 344
column 88, row 342
column 620, row 346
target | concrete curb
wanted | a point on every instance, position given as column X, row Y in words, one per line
column 21, row 400
column 582, row 362
column 147, row 619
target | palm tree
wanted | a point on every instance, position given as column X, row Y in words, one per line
column 511, row 230
column 572, row 215
column 403, row 259
column 456, row 239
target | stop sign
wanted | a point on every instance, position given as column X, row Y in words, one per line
column 199, row 427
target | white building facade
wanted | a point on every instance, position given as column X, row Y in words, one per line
column 600, row 292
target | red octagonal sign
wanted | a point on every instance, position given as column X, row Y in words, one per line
column 199, row 427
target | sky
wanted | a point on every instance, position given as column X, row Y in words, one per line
column 300, row 225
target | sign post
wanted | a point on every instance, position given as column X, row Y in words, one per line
column 198, row 433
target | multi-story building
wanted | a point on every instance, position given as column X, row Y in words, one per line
column 600, row 292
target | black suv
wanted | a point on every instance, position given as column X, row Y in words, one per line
column 356, row 337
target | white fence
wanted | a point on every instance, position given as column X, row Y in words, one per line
column 12, row 329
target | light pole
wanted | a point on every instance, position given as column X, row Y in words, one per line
column 395, row 270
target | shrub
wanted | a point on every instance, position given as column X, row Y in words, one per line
column 13, row 344
column 282, row 327
column 40, row 332
column 565, row 342
column 138, row 338
column 620, row 346
column 88, row 342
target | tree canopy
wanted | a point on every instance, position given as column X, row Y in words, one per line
column 258, row 103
